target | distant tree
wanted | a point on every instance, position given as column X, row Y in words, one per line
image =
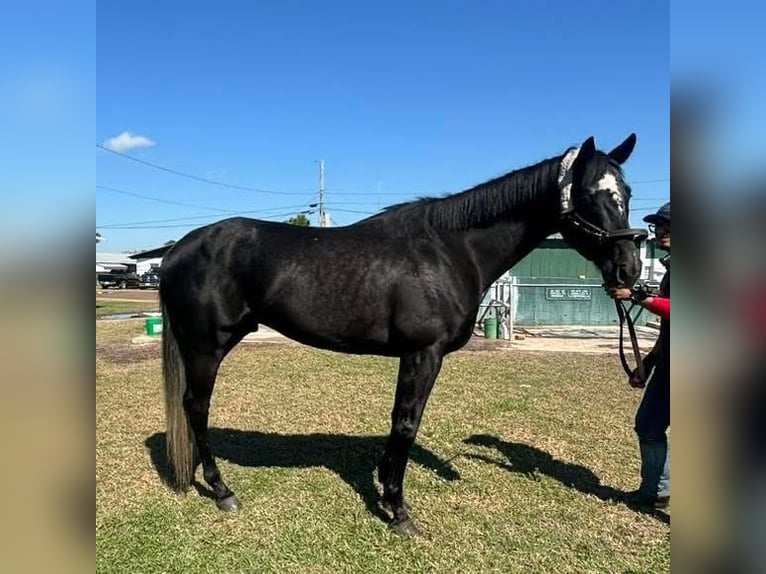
column 169, row 242
column 299, row 219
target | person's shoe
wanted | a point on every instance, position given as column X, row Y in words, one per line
column 638, row 498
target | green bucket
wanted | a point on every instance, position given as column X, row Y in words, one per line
column 154, row 326
column 490, row 328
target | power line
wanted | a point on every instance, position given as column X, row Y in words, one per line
column 145, row 224
column 193, row 217
column 356, row 211
column 374, row 194
column 343, row 203
column 233, row 212
column 160, row 200
column 181, row 225
column 191, row 176
column 269, row 191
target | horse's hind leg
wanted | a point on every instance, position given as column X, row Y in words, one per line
column 417, row 373
column 201, row 371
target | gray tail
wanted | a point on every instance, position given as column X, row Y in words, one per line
column 180, row 443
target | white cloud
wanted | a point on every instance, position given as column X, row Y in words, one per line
column 127, row 141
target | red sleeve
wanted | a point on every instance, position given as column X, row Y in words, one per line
column 659, row 306
column 751, row 305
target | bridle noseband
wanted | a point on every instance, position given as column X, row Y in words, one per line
column 573, row 221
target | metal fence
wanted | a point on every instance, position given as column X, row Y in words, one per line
column 535, row 301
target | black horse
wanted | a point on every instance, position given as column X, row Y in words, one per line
column 404, row 283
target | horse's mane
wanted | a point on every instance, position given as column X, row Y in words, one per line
column 491, row 201
column 479, row 206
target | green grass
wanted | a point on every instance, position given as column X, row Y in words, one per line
column 109, row 307
column 515, row 458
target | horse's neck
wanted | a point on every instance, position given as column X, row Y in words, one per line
column 496, row 249
column 526, row 210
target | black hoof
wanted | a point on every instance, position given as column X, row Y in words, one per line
column 229, row 504
column 383, row 503
column 405, row 527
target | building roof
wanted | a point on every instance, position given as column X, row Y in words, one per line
column 103, row 257
column 151, row 253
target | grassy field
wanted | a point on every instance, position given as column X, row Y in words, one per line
column 517, row 460
column 108, row 307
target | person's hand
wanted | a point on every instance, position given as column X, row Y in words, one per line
column 619, row 293
column 635, row 380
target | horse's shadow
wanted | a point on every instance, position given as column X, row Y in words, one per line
column 528, row 460
column 352, row 458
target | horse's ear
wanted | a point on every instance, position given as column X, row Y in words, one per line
column 586, row 151
column 622, row 152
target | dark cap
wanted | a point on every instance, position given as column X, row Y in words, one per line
column 662, row 215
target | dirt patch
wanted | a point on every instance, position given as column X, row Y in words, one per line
column 120, row 354
column 128, row 294
column 478, row 344
column 582, row 339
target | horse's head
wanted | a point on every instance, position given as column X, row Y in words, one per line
column 594, row 207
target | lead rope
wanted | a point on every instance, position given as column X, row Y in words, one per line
column 625, row 317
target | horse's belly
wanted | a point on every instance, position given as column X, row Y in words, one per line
column 359, row 337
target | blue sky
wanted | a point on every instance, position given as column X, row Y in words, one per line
column 400, row 99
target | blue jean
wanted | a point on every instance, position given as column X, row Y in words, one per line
column 652, row 422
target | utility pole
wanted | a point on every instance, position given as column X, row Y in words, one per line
column 322, row 214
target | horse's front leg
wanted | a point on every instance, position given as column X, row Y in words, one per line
column 417, row 373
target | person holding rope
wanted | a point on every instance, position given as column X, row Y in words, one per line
column 653, row 416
